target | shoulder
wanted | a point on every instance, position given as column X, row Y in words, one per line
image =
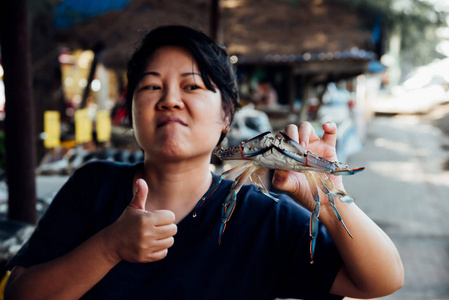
column 103, row 166
column 98, row 170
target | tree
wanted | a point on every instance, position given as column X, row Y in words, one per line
column 19, row 120
column 415, row 20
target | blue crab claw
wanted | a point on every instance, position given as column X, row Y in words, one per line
column 348, row 171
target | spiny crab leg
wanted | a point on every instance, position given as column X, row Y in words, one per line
column 313, row 228
column 251, row 171
column 255, row 177
column 328, row 190
column 228, row 205
column 322, row 182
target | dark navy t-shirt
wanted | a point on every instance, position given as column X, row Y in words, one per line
column 264, row 252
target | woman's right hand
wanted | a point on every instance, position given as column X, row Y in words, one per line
column 140, row 235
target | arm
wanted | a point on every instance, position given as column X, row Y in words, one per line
column 137, row 236
column 67, row 277
column 372, row 266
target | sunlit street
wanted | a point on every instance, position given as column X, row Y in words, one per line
column 404, row 190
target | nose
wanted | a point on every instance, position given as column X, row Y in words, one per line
column 170, row 100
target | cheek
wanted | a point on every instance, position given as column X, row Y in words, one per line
column 214, row 126
column 140, row 113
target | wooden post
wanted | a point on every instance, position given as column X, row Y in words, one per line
column 98, row 49
column 214, row 19
column 19, row 112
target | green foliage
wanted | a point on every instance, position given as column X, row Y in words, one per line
column 417, row 21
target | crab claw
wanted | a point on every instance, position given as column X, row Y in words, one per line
column 348, row 171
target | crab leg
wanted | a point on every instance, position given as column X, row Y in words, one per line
column 228, row 205
column 313, row 228
column 219, row 180
column 324, row 180
column 211, row 191
column 329, row 184
column 348, row 171
column 255, row 177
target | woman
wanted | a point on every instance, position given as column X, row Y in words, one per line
column 119, row 231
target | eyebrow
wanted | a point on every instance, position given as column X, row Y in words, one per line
column 158, row 74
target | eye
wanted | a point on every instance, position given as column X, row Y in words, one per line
column 192, row 87
column 150, row 87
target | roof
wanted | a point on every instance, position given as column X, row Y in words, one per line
column 264, row 31
column 70, row 12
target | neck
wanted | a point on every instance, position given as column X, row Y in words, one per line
column 176, row 187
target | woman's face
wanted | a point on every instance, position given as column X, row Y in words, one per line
column 175, row 117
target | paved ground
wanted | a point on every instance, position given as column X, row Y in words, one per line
column 405, row 190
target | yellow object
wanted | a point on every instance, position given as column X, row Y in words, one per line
column 2, row 285
column 52, row 129
column 103, row 126
column 83, row 126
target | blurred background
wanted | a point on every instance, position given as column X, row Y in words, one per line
column 378, row 68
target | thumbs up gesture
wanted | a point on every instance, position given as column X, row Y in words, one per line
column 140, row 235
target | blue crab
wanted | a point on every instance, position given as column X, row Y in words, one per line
column 279, row 151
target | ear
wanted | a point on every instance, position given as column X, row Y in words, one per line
column 226, row 126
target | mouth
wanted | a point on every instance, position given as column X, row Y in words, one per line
column 170, row 120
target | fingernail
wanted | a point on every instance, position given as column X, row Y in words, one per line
column 137, row 186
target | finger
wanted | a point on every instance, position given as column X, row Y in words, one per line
column 330, row 133
column 159, row 255
column 307, row 134
column 140, row 196
column 166, row 231
column 164, row 243
column 286, row 181
column 163, row 217
column 281, row 180
column 281, row 177
column 159, row 249
column 292, row 131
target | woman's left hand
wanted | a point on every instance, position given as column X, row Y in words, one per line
column 295, row 183
column 371, row 254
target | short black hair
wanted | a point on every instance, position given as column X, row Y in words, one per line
column 213, row 62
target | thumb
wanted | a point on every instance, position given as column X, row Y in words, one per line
column 140, row 197
column 290, row 182
column 281, row 180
